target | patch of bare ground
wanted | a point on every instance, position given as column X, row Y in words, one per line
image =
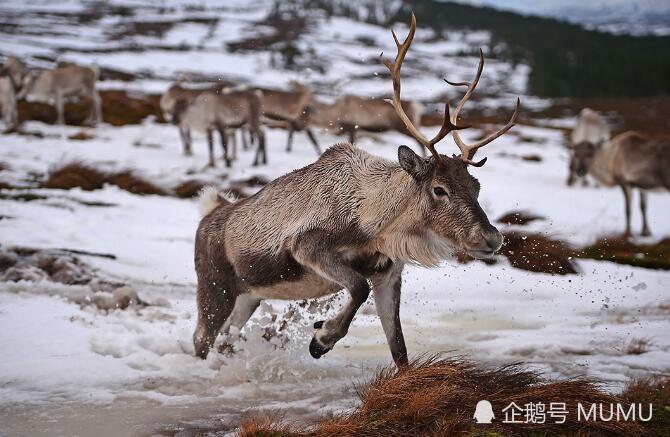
column 438, row 396
column 119, row 107
column 624, row 251
column 80, row 175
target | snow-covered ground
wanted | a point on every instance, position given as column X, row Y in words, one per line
column 72, row 370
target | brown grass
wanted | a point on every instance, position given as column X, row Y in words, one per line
column 537, row 253
column 77, row 174
column 518, row 218
column 437, row 396
column 623, row 251
column 532, row 252
column 657, row 392
column 637, row 346
column 189, row 189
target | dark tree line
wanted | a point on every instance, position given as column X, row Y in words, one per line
column 566, row 60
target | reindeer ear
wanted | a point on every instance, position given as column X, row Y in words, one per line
column 412, row 163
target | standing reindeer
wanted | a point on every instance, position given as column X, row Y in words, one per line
column 630, row 160
column 11, row 77
column 10, row 114
column 64, row 82
column 293, row 108
column 350, row 114
column 347, row 218
column 592, row 128
column 224, row 111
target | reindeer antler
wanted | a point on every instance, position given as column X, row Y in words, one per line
column 467, row 150
column 449, row 122
column 394, row 68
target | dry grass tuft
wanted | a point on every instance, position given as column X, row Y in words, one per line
column 532, row 252
column 189, row 189
column 437, row 396
column 129, row 181
column 537, row 253
column 518, row 218
column 81, row 136
column 637, row 346
column 268, row 426
column 77, row 174
column 657, row 392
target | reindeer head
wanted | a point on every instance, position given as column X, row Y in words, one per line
column 18, row 73
column 449, row 191
column 451, row 210
column 582, row 155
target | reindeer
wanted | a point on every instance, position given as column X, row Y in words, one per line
column 11, row 77
column 211, row 111
column 630, row 160
column 176, row 93
column 64, row 82
column 293, row 109
column 350, row 114
column 345, row 219
column 592, row 128
column 8, row 102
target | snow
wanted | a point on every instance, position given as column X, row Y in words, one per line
column 136, row 366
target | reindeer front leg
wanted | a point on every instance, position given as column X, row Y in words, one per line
column 386, row 290
column 314, row 251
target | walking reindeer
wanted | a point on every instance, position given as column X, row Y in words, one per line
column 345, row 219
column 629, row 160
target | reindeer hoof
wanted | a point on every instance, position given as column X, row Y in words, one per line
column 316, row 350
column 319, row 324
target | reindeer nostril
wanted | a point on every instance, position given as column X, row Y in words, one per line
column 494, row 240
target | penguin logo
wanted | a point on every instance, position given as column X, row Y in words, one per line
column 484, row 412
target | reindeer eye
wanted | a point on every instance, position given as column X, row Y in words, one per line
column 439, row 191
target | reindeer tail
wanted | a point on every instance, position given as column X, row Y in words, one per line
column 210, row 199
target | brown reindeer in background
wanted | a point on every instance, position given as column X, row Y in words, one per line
column 630, row 160
column 591, row 128
column 222, row 112
column 60, row 84
column 293, row 109
column 12, row 75
column 347, row 218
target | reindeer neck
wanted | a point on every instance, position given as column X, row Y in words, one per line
column 389, row 192
column 602, row 166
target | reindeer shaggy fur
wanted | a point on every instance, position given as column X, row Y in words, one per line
column 334, row 224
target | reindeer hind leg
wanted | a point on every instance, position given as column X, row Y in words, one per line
column 643, row 209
